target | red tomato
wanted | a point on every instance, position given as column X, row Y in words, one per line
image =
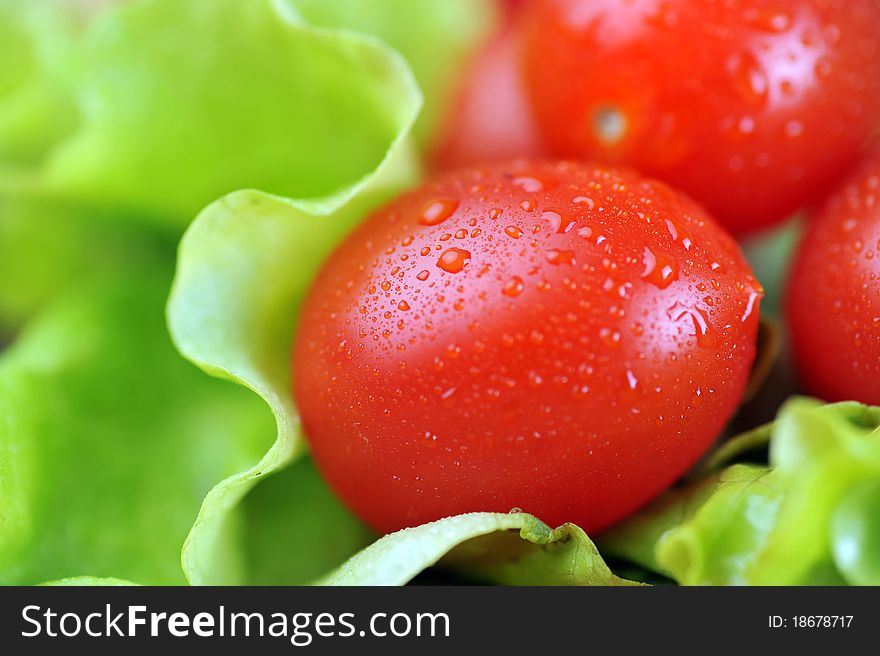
column 833, row 299
column 557, row 337
column 491, row 118
column 750, row 106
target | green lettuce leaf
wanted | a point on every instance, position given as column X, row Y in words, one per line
column 109, row 440
column 49, row 247
column 512, row 549
column 809, row 518
column 243, row 268
column 164, row 106
column 183, row 102
column 36, row 55
column 437, row 38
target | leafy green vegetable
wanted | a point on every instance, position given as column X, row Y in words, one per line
column 807, row 518
column 36, row 108
column 90, row 580
column 243, row 268
column 109, row 441
column 49, row 247
column 513, row 548
column 294, row 530
column 435, row 36
column 241, row 94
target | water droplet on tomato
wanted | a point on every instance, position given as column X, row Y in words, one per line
column 750, row 304
column 513, row 231
column 559, row 222
column 794, row 129
column 748, row 78
column 528, row 183
column 403, row 306
column 513, row 287
column 437, row 211
column 631, row 380
column 453, row 260
column 423, row 275
column 702, row 327
column 556, row 257
column 659, row 269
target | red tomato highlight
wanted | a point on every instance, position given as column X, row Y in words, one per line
column 833, row 301
column 567, row 340
column 753, row 107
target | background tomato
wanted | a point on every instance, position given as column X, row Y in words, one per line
column 551, row 336
column 750, row 106
column 491, row 118
column 833, row 298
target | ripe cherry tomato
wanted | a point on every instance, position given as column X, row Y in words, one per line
column 491, row 118
column 558, row 337
column 834, row 292
column 751, row 106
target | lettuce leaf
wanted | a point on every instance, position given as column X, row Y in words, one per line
column 244, row 266
column 109, row 440
column 36, row 55
column 156, row 108
column 809, row 518
column 513, row 549
column 437, row 38
column 185, row 101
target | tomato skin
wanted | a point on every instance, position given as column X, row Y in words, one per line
column 833, row 299
column 753, row 107
column 491, row 118
column 568, row 341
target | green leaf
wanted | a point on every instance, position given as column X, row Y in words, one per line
column 295, row 530
column 243, row 268
column 809, row 518
column 437, row 38
column 49, row 247
column 513, row 549
column 109, row 440
column 36, row 51
column 855, row 534
column 183, row 102
column 78, row 581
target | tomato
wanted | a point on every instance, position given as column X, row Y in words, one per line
column 833, row 301
column 558, row 337
column 750, row 106
column 491, row 118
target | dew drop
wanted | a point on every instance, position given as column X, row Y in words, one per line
column 528, row 183
column 660, row 269
column 513, row 231
column 423, row 275
column 453, row 260
column 748, row 78
column 403, row 306
column 558, row 221
column 437, row 211
column 556, row 257
column 513, row 287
